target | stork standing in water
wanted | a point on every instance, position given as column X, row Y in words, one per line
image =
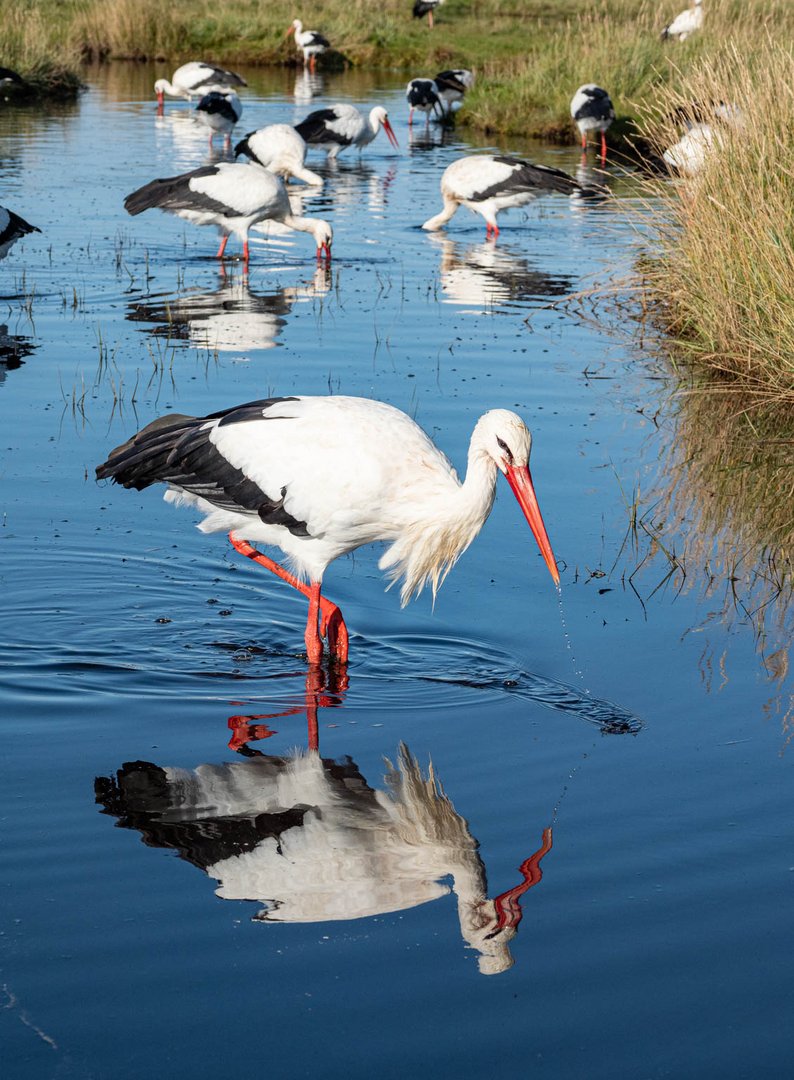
column 686, row 23
column 592, row 110
column 426, row 7
column 319, row 477
column 487, row 184
column 310, row 42
column 422, row 94
column 196, row 79
column 12, row 228
column 281, row 150
column 220, row 112
column 340, row 126
column 231, row 196
column 452, row 86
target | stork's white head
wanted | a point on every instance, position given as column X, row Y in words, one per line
column 505, row 439
column 161, row 88
column 379, row 118
column 296, row 28
column 324, row 235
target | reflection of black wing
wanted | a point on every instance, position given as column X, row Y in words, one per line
column 177, row 317
column 315, row 129
column 170, row 809
column 13, row 350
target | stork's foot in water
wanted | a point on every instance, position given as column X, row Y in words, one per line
column 325, row 618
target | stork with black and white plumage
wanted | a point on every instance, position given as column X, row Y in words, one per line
column 452, row 86
column 592, row 110
column 422, row 94
column 426, row 7
column 281, row 150
column 336, row 128
column 12, row 228
column 196, row 79
column 487, row 184
column 232, row 197
column 318, row 477
column 685, row 23
column 220, row 112
column 311, row 43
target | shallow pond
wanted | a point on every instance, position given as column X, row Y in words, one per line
column 594, row 879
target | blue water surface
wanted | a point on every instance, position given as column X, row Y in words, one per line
column 580, row 862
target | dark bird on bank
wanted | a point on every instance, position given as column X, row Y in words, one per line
column 426, row 7
column 592, row 110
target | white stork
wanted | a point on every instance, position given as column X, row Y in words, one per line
column 311, row 43
column 220, row 112
column 488, row 183
column 426, row 7
column 422, row 94
column 686, row 23
column 281, row 150
column 12, row 228
column 319, row 477
column 452, row 86
column 231, row 196
column 592, row 110
column 340, row 126
column 196, row 79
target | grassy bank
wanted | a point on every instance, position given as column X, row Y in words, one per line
column 721, row 273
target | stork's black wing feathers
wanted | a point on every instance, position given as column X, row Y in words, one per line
column 422, row 92
column 528, row 177
column 174, row 193
column 598, row 106
column 448, row 80
column 15, row 227
column 217, row 76
column 218, row 104
column 318, row 39
column 314, row 129
column 177, row 450
column 421, row 7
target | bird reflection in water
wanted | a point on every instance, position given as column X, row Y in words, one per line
column 13, row 350
column 308, row 85
column 485, row 276
column 312, row 841
column 229, row 318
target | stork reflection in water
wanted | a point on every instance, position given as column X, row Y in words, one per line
column 311, row 841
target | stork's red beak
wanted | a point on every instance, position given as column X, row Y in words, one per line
column 160, row 99
column 324, row 249
column 290, row 31
column 520, row 481
column 390, row 133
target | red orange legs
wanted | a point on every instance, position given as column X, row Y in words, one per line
column 491, row 230
column 222, row 248
column 603, row 148
column 324, row 620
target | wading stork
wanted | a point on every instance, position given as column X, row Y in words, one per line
column 196, row 79
column 340, row 126
column 318, row 477
column 592, row 110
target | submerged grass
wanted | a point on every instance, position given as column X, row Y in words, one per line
column 722, row 270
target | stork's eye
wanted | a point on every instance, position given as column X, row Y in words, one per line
column 507, row 451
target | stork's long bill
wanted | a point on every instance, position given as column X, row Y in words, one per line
column 390, row 133
column 520, row 480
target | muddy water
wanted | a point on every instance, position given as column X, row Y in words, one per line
column 596, row 880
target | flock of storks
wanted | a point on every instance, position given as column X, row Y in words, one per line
column 318, row 477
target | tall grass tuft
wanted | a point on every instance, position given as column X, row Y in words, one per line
column 722, row 272
column 29, row 46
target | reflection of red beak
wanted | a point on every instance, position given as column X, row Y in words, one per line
column 390, row 133
column 160, row 99
column 521, row 482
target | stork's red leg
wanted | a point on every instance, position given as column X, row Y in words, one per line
column 245, row 250
column 222, row 248
column 584, row 142
column 603, row 148
column 330, row 618
column 508, row 904
column 430, row 19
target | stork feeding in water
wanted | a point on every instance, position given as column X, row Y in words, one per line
column 196, row 79
column 319, row 477
column 231, row 196
column 487, row 184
